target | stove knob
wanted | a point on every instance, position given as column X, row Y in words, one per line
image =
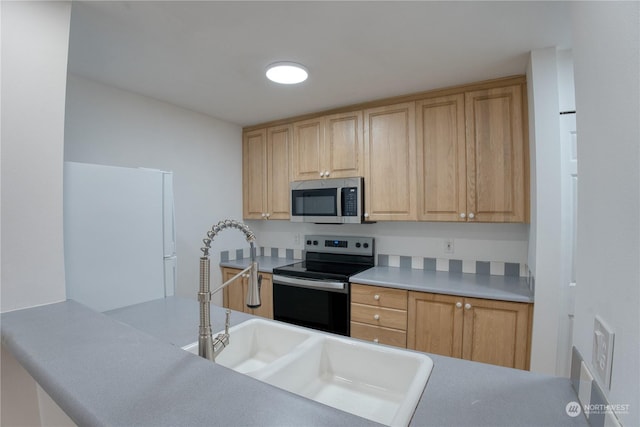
column 308, row 242
column 358, row 245
column 366, row 245
column 315, row 243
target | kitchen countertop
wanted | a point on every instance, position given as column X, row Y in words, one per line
column 504, row 288
column 125, row 367
column 266, row 264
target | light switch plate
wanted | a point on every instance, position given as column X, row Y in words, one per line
column 602, row 355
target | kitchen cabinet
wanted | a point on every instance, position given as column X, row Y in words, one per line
column 441, row 155
column 390, row 163
column 488, row 331
column 379, row 314
column 471, row 156
column 266, row 173
column 329, row 146
column 497, row 165
column 235, row 295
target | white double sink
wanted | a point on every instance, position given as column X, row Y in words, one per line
column 383, row 384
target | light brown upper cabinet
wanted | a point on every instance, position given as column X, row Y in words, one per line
column 497, row 169
column 441, row 148
column 328, row 147
column 472, row 157
column 390, row 163
column 266, row 173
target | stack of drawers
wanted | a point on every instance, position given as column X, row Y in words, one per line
column 379, row 314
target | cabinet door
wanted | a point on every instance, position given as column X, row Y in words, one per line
column 278, row 176
column 308, row 148
column 266, row 296
column 233, row 295
column 390, row 163
column 496, row 332
column 435, row 323
column 343, row 147
column 442, row 176
column 496, row 163
column 254, row 171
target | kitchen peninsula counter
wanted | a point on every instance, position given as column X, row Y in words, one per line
column 126, row 368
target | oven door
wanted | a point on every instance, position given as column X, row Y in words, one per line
column 317, row 304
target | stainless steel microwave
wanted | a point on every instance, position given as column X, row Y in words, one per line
column 327, row 201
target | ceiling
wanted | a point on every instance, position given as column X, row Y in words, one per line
column 210, row 56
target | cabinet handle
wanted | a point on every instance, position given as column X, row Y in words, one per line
column 463, row 215
column 376, row 317
column 471, row 215
column 467, row 306
column 376, row 297
column 375, row 340
column 458, row 304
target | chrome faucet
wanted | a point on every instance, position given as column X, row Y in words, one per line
column 207, row 346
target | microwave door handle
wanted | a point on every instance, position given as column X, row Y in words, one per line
column 339, row 202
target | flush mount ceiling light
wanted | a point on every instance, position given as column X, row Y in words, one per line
column 287, row 73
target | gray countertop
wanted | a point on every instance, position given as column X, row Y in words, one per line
column 266, row 264
column 505, row 288
column 125, row 368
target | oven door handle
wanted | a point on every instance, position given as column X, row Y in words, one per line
column 309, row 283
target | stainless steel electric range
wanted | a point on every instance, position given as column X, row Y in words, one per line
column 315, row 292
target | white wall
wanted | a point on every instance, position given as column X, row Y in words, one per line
column 474, row 241
column 106, row 125
column 35, row 37
column 545, row 249
column 606, row 62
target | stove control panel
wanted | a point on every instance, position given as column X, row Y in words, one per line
column 354, row 245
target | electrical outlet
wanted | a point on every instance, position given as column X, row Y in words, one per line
column 296, row 238
column 448, row 246
column 602, row 354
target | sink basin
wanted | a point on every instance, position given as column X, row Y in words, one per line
column 380, row 383
column 257, row 343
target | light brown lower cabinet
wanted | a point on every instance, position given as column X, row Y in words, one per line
column 234, row 295
column 489, row 331
column 379, row 314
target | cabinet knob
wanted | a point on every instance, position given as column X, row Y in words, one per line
column 459, row 304
column 268, row 215
column 376, row 297
column 471, row 215
column 366, row 215
column 264, row 214
column 321, row 174
column 463, row 215
column 375, row 340
column 376, row 317
column 467, row 306
column 326, row 173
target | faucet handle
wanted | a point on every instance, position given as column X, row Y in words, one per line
column 226, row 321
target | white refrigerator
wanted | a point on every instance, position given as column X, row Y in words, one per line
column 119, row 235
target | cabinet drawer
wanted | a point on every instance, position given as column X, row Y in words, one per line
column 379, row 334
column 378, row 296
column 379, row 316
